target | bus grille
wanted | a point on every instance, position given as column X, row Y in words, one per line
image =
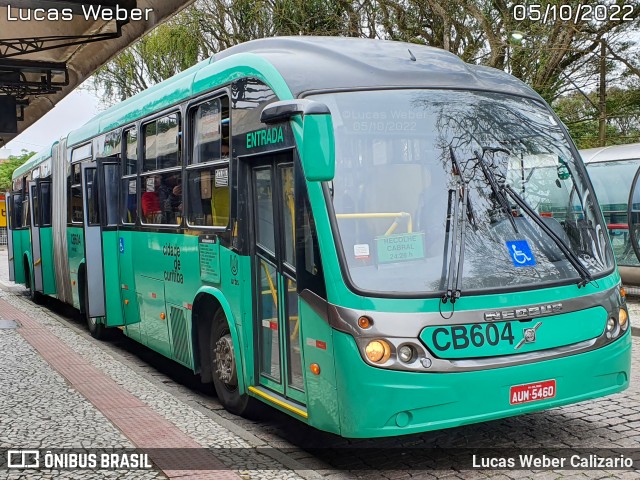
column 179, row 335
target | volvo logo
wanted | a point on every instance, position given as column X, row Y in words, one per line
column 523, row 313
column 528, row 335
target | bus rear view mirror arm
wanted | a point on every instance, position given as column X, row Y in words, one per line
column 281, row 111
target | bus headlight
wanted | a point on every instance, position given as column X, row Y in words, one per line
column 378, row 351
column 611, row 325
column 623, row 319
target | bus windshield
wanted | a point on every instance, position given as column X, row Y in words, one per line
column 407, row 160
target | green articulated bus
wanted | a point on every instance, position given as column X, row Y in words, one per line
column 371, row 236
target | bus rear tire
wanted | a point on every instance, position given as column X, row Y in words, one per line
column 96, row 329
column 224, row 372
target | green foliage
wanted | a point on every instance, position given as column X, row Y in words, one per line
column 7, row 168
column 581, row 117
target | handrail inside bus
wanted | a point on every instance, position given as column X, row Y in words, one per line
column 393, row 226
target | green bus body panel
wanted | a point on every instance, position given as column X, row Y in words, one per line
column 75, row 250
column 553, row 331
column 321, row 391
column 48, row 267
column 374, row 401
column 17, row 255
column 113, row 302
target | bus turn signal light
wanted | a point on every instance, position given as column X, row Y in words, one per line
column 315, row 368
column 623, row 318
column 378, row 351
column 364, row 322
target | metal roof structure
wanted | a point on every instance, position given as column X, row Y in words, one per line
column 49, row 47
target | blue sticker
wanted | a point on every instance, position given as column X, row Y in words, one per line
column 121, row 245
column 521, row 253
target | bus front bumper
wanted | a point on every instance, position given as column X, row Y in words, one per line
column 376, row 402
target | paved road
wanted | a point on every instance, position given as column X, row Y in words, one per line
column 289, row 448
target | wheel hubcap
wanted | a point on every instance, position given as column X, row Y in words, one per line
column 225, row 361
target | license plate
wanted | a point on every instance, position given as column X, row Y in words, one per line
column 532, row 392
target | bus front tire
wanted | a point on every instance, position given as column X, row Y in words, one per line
column 224, row 372
column 96, row 329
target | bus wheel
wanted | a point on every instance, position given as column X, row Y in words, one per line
column 224, row 371
column 96, row 329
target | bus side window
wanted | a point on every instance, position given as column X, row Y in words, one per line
column 208, row 173
column 45, row 202
column 129, row 188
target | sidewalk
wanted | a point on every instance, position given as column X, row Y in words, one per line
column 60, row 390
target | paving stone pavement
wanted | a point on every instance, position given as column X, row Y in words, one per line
column 609, row 422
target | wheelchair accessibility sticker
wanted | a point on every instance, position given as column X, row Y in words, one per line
column 521, row 253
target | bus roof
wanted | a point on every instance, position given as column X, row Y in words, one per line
column 293, row 66
column 609, row 154
column 33, row 161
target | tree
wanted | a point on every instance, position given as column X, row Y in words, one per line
column 7, row 168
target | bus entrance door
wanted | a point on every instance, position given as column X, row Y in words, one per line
column 10, row 217
column 94, row 281
column 279, row 361
column 36, row 252
column 100, row 185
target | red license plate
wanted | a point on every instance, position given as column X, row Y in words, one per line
column 532, row 392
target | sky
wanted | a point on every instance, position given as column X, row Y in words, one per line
column 73, row 111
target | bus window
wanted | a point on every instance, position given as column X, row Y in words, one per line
column 161, row 199
column 45, row 203
column 16, row 210
column 130, row 160
column 36, row 200
column 208, row 189
column 161, row 143
column 111, row 193
column 26, row 213
column 93, row 195
column 208, row 185
column 211, row 131
column 129, row 200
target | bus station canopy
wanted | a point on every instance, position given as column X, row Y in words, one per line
column 49, row 47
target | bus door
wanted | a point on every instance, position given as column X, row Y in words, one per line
column 633, row 219
column 36, row 252
column 94, row 282
column 9, row 211
column 278, row 358
column 100, row 186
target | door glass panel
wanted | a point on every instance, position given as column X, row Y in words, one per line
column 268, row 321
column 285, row 175
column 34, row 194
column 294, row 355
column 264, row 208
column 129, row 200
column 93, row 213
column 45, row 202
column 111, row 193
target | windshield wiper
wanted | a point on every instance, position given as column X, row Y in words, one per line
column 493, row 183
column 456, row 259
column 585, row 276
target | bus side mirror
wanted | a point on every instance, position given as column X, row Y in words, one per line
column 318, row 144
column 318, row 151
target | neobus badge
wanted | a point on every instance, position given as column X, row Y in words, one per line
column 524, row 312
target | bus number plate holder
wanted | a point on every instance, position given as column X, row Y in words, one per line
column 532, row 392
